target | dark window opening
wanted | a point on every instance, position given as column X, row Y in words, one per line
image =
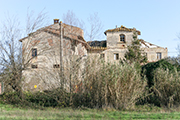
column 56, row 66
column 34, row 66
column 116, row 56
column 122, row 38
column 34, row 52
column 101, row 55
column 159, row 56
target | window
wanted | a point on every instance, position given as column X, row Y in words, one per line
column 56, row 66
column 34, row 52
column 101, row 55
column 34, row 66
column 122, row 38
column 158, row 55
column 116, row 56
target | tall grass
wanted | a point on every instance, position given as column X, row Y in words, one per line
column 114, row 85
column 102, row 85
column 167, row 87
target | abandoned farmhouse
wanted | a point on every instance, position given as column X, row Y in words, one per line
column 54, row 46
column 116, row 44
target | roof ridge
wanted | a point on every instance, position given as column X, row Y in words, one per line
column 122, row 28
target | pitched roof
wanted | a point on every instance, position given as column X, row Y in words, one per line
column 145, row 44
column 101, row 45
column 54, row 29
column 123, row 28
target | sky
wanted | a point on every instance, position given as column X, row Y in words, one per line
column 158, row 20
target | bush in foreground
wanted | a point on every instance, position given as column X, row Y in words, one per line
column 167, row 87
column 114, row 85
column 149, row 69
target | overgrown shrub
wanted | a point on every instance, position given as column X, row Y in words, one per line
column 167, row 87
column 113, row 85
column 11, row 98
column 116, row 85
column 149, row 69
column 54, row 98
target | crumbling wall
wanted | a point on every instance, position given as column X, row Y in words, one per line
column 113, row 39
column 152, row 53
column 46, row 75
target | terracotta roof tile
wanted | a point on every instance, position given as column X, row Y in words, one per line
column 123, row 28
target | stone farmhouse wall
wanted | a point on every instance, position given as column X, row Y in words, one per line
column 61, row 45
column 116, row 48
column 47, row 42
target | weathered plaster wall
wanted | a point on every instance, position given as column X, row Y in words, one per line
column 115, row 46
column 152, row 53
column 48, row 50
column 113, row 39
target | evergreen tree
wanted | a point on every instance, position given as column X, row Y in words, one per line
column 135, row 53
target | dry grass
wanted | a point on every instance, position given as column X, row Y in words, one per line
column 167, row 87
column 94, row 83
column 114, row 85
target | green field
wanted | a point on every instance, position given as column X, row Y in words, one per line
column 10, row 112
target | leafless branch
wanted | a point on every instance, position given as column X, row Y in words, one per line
column 35, row 22
column 71, row 19
column 95, row 27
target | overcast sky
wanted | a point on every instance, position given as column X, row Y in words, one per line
column 158, row 20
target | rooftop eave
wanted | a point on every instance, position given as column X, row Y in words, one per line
column 148, row 45
column 123, row 28
column 22, row 39
column 138, row 32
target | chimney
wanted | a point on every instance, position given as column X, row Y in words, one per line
column 56, row 21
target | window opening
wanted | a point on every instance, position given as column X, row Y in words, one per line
column 34, row 66
column 101, row 55
column 34, row 52
column 56, row 66
column 122, row 38
column 116, row 56
column 158, row 55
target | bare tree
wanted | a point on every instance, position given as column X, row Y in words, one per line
column 96, row 27
column 10, row 56
column 94, row 32
column 11, row 60
column 71, row 19
column 33, row 22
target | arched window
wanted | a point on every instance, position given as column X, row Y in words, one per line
column 122, row 38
